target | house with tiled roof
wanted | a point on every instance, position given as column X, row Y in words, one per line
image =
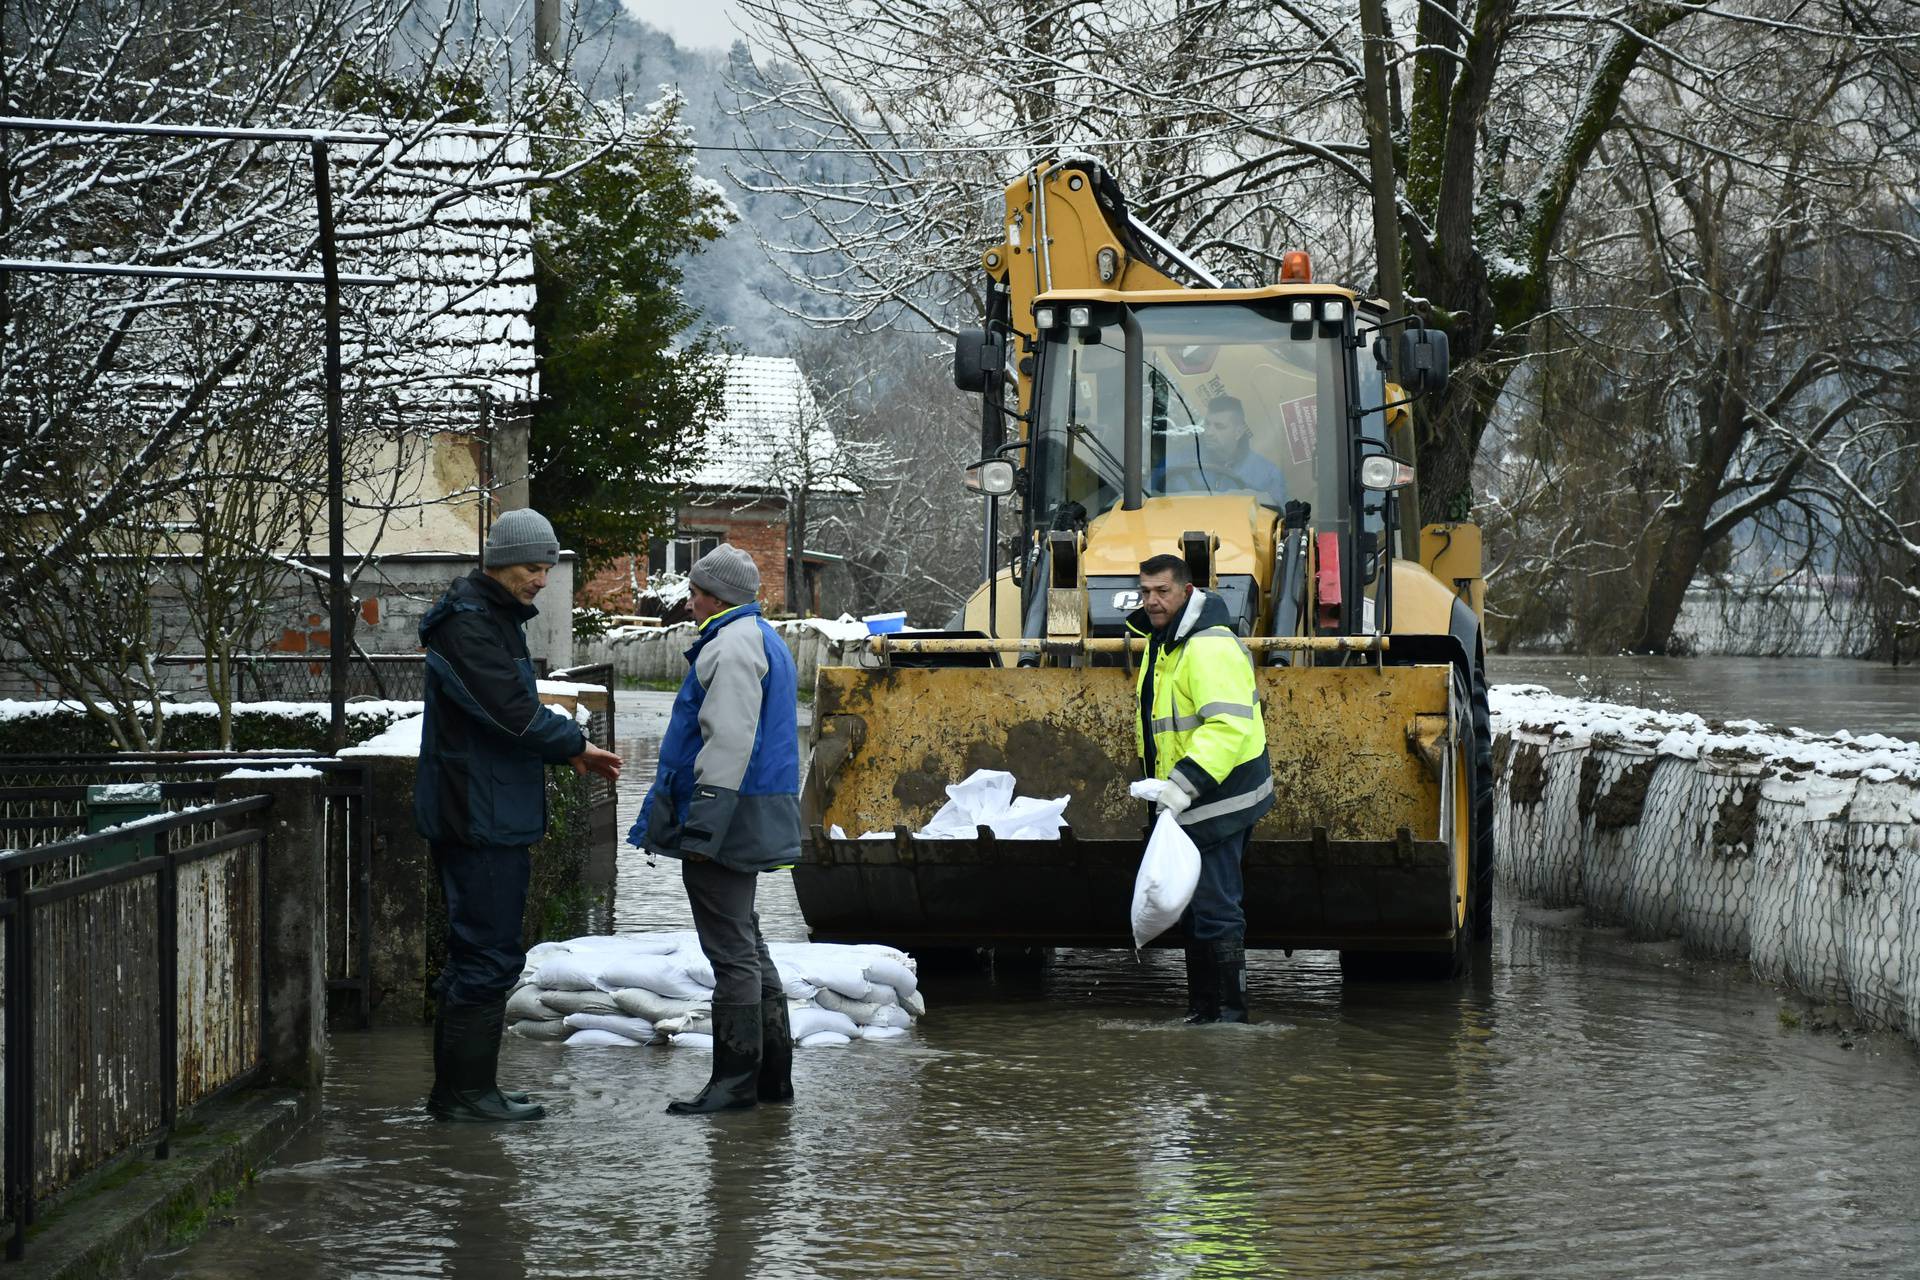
column 773, row 453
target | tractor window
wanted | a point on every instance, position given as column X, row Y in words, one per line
column 1234, row 403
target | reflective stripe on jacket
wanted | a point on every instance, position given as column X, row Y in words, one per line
column 1199, row 724
column 729, row 781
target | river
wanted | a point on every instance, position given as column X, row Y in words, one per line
column 1584, row 1106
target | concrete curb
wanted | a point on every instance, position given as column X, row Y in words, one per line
column 116, row 1217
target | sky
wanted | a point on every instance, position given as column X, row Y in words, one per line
column 699, row 24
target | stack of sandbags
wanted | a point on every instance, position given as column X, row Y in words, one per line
column 634, row 989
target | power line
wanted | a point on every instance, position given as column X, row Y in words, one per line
column 374, row 138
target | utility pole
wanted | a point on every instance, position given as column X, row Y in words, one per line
column 1386, row 220
column 546, row 32
column 339, row 620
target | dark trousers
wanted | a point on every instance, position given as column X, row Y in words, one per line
column 729, row 928
column 486, row 892
column 1215, row 911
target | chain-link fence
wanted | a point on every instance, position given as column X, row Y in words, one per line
column 1792, row 852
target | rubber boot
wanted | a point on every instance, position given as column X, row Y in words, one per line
column 1203, row 984
column 776, row 1051
column 463, row 1087
column 735, row 1083
column 440, row 1054
column 1230, row 964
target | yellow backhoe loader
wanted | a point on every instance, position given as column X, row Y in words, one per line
column 1125, row 370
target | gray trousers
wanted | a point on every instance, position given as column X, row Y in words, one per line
column 729, row 927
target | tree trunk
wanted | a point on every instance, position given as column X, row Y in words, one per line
column 1673, row 570
column 796, row 547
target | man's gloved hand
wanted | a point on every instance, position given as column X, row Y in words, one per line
column 1174, row 799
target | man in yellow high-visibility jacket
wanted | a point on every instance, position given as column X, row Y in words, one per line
column 1201, row 730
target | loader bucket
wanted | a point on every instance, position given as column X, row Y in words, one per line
column 1364, row 848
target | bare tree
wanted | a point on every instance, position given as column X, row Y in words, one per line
column 1728, row 373
column 130, row 411
column 1241, row 129
column 912, row 539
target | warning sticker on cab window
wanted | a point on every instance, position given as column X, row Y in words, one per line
column 1300, row 419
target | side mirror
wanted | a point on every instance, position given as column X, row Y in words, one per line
column 978, row 359
column 1384, row 473
column 1424, row 363
column 990, row 476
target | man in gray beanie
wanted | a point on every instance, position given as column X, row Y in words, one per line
column 726, row 802
column 480, row 799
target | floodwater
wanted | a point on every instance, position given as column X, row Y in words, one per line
column 1820, row 695
column 1585, row 1106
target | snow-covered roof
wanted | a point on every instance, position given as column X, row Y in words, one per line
column 774, row 436
column 458, row 233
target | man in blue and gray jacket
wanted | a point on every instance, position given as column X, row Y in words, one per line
column 481, row 799
column 726, row 802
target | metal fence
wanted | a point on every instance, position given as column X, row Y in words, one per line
column 44, row 799
column 133, row 986
column 303, row 677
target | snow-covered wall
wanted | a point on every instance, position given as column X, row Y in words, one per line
column 1794, row 852
column 659, row 653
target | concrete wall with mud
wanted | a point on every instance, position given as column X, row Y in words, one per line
column 1799, row 854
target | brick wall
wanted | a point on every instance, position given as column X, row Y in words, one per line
column 759, row 529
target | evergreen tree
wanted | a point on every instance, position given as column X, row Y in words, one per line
column 627, row 384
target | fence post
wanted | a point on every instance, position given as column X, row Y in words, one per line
column 292, row 923
column 167, row 893
column 19, row 1066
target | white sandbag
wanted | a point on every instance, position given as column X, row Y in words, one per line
column 693, row 962
column 914, row 1003
column 882, row 1033
column 986, row 799
column 665, row 975
column 824, row 1040
column 881, row 993
column 857, row 1010
column 550, row 1028
column 808, row 1019
column 565, row 1002
column 693, row 1040
column 524, row 1004
column 890, row 971
column 697, row 1022
column 600, row 1039
column 825, row 965
column 638, row 1002
column 797, row 988
column 1030, row 818
column 1169, row 872
column 565, row 971
column 890, row 1015
column 638, row 1030
column 984, row 792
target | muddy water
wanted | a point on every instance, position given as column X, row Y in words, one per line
column 1586, row 1106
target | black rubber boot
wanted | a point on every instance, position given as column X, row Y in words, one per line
column 735, row 1083
column 776, row 1051
column 468, row 1043
column 1230, row 964
column 1203, row 984
column 440, row 1056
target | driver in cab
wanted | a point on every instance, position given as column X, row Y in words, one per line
column 1227, row 461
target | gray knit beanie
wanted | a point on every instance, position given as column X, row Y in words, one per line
column 521, row 537
column 726, row 573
